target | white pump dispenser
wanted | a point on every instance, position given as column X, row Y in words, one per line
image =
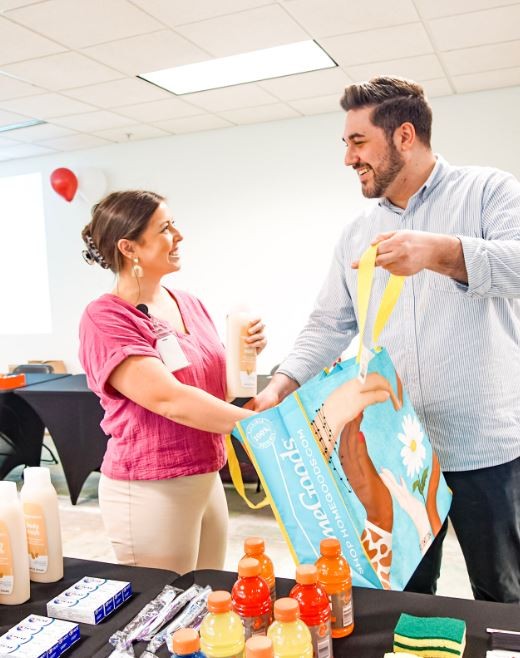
column 240, row 356
column 14, row 562
column 42, row 522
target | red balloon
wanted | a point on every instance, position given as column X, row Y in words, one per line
column 64, row 183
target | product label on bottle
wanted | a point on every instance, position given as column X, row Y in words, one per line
column 36, row 538
column 341, row 609
column 247, row 361
column 321, row 640
column 257, row 625
column 6, row 561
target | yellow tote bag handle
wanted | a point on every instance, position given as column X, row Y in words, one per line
column 388, row 301
column 236, row 476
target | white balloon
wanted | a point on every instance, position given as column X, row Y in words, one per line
column 92, row 184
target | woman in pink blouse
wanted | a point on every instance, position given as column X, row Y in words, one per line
column 154, row 358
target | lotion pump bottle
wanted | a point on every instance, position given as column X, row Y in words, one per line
column 42, row 522
column 240, row 356
column 14, row 561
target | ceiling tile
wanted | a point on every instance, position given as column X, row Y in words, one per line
column 17, row 43
column 482, row 58
column 171, row 108
column 132, row 133
column 320, row 105
column 177, row 12
column 437, row 87
column 231, row 98
column 323, row 19
column 306, row 85
column 260, row 114
column 193, row 124
column 119, row 92
column 245, row 31
column 474, row 29
column 46, row 106
column 23, row 151
column 429, row 9
column 422, row 67
column 4, row 141
column 62, row 71
column 75, row 142
column 487, row 80
column 147, row 52
column 378, row 45
column 10, row 117
column 43, row 131
column 84, row 23
column 91, row 121
column 12, row 4
column 12, row 88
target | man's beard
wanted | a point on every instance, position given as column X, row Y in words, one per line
column 387, row 173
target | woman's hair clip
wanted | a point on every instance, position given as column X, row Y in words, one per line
column 92, row 254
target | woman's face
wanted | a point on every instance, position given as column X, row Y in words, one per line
column 158, row 246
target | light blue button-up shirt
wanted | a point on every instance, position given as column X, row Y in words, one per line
column 456, row 347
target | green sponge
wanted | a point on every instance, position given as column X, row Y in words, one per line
column 431, row 637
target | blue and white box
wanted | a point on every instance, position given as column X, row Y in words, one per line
column 38, row 637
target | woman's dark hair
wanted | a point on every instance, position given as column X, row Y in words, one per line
column 395, row 101
column 119, row 215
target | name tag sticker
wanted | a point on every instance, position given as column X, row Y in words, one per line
column 171, row 353
column 366, row 357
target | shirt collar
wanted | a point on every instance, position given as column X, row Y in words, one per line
column 437, row 174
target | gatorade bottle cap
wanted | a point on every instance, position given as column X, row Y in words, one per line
column 259, row 646
column 185, row 640
column 306, row 574
column 219, row 601
column 330, row 547
column 248, row 566
column 254, row 545
column 286, row 609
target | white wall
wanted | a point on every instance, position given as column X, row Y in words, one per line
column 260, row 208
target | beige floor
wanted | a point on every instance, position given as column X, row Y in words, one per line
column 84, row 536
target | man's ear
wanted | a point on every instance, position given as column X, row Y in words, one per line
column 126, row 247
column 405, row 136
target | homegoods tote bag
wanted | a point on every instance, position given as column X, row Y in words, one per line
column 372, row 481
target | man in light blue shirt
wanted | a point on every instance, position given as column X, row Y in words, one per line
column 454, row 336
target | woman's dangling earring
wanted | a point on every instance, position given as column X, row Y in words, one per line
column 137, row 269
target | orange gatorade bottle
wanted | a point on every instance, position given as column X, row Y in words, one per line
column 290, row 636
column 314, row 609
column 259, row 646
column 334, row 577
column 251, row 598
column 255, row 547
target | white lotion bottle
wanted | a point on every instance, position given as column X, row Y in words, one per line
column 14, row 560
column 240, row 356
column 42, row 523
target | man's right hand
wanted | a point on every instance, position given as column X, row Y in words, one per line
column 278, row 389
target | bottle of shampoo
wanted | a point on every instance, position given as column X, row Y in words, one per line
column 240, row 356
column 42, row 522
column 14, row 562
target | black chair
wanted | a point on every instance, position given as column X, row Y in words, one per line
column 46, row 369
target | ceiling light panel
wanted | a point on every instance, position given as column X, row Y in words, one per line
column 263, row 64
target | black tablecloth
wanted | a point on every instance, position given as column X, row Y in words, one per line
column 146, row 584
column 72, row 414
column 375, row 612
column 22, row 426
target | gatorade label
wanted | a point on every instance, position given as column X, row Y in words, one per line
column 341, row 609
column 256, row 625
column 321, row 640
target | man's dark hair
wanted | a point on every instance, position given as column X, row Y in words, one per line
column 395, row 101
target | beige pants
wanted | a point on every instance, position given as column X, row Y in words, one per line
column 178, row 524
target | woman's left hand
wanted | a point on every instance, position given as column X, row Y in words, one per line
column 256, row 336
